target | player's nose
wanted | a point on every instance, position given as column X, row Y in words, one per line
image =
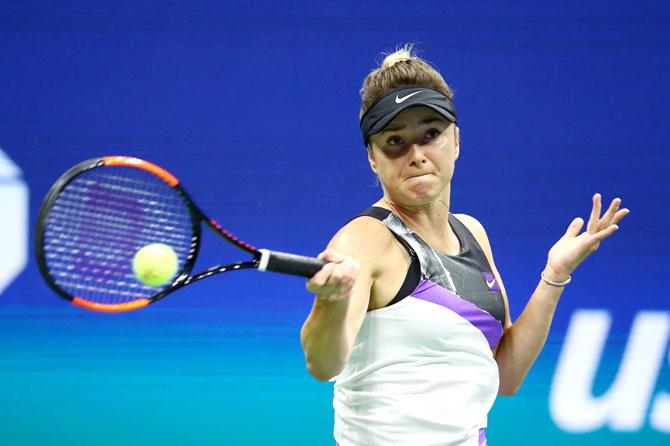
column 417, row 155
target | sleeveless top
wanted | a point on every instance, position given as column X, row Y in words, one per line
column 421, row 371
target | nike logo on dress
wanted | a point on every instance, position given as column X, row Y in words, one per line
column 491, row 281
column 399, row 100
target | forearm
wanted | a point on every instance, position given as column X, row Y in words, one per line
column 324, row 338
column 524, row 340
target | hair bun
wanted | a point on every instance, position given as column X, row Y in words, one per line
column 400, row 55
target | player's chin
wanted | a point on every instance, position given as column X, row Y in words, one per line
column 421, row 198
column 425, row 192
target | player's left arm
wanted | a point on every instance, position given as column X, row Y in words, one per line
column 523, row 340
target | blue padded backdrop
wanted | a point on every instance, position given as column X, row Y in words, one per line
column 254, row 106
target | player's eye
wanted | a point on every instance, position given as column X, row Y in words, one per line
column 394, row 141
column 432, row 134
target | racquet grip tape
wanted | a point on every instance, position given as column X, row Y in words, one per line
column 285, row 263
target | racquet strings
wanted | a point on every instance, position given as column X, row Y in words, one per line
column 100, row 220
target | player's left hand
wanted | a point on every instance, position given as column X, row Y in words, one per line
column 573, row 247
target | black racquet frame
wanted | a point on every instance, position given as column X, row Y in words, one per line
column 262, row 259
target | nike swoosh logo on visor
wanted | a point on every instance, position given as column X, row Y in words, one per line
column 490, row 284
column 399, row 100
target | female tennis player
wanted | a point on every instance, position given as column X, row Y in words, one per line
column 410, row 316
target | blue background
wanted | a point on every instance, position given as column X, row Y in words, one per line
column 254, row 106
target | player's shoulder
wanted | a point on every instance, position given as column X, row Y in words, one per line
column 367, row 240
column 477, row 230
column 364, row 238
column 363, row 234
column 470, row 222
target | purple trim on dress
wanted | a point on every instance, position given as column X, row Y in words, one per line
column 482, row 437
column 487, row 324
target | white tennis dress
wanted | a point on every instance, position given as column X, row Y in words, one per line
column 422, row 371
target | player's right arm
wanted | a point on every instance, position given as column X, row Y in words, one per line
column 342, row 295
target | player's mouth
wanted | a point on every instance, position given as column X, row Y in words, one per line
column 422, row 175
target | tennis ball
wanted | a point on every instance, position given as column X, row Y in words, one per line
column 155, row 264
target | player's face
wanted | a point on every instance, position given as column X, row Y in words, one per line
column 414, row 156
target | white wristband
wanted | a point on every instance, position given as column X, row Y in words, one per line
column 552, row 283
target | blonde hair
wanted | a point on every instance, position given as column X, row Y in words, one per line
column 402, row 67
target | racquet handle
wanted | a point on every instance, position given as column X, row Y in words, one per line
column 285, row 263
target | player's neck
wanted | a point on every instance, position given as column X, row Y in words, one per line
column 429, row 221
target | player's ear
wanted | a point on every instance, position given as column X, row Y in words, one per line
column 457, row 141
column 371, row 159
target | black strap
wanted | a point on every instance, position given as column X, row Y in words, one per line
column 413, row 276
column 412, row 279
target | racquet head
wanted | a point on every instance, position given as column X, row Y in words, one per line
column 100, row 213
column 94, row 220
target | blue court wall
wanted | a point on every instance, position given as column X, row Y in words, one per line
column 254, row 106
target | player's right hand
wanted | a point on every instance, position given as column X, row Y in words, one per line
column 335, row 280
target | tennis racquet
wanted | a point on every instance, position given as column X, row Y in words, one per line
column 102, row 211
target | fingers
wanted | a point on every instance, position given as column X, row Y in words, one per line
column 592, row 226
column 336, row 278
column 612, row 216
column 575, row 227
column 331, row 255
column 593, row 240
column 321, row 278
column 621, row 213
column 318, row 280
column 611, row 211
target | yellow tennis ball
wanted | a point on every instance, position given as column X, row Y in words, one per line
column 155, row 264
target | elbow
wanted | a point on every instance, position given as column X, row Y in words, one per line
column 323, row 365
column 323, row 361
column 322, row 374
column 321, row 377
column 508, row 390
